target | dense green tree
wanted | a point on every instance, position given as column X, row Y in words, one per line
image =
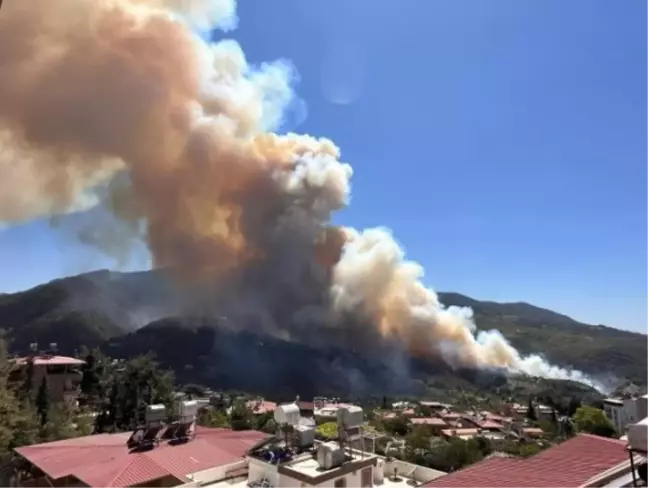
column 593, row 421
column 93, row 379
column 397, row 426
column 574, row 404
column 241, row 416
column 27, row 388
column 260, row 421
column 531, row 414
column 193, row 390
column 43, row 402
column 454, row 455
column 59, row 424
column 212, row 418
column 18, row 423
column 327, row 430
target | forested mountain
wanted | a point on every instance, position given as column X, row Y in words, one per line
column 131, row 313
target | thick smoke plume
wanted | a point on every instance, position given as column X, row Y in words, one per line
column 121, row 103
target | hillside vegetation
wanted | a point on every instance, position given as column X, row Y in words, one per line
column 595, row 349
column 129, row 314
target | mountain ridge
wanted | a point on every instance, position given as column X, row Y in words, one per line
column 119, row 310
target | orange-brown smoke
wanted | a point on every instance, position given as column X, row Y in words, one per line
column 121, row 97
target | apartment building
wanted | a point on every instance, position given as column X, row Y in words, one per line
column 63, row 375
column 623, row 412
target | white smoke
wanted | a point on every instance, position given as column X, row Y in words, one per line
column 92, row 90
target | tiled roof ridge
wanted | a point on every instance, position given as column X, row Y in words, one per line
column 610, row 439
column 142, row 456
column 69, row 446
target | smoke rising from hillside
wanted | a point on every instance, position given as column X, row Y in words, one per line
column 119, row 101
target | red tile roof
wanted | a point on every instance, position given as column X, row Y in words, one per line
column 569, row 464
column 430, row 421
column 104, row 459
column 261, row 406
column 459, row 432
column 51, row 361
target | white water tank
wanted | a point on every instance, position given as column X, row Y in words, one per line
column 287, row 414
column 330, row 455
column 638, row 435
column 351, row 416
column 379, row 472
column 155, row 414
column 187, row 408
column 305, row 435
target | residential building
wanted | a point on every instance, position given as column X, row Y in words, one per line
column 107, row 460
column 62, row 373
column 218, row 458
column 481, row 422
column 469, row 433
column 625, row 411
column 450, row 418
column 306, row 409
column 435, row 424
column 582, row 461
column 531, row 432
column 329, row 409
column 435, row 406
column 260, row 406
column 543, row 412
column 359, row 468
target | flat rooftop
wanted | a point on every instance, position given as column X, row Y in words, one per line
column 307, row 465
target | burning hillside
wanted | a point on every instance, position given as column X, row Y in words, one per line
column 119, row 103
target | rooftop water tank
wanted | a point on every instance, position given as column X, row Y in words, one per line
column 287, row 414
column 351, row 416
column 304, row 435
column 330, row 455
column 155, row 413
column 187, row 408
column 638, row 435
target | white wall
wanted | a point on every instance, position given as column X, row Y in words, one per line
column 217, row 473
column 259, row 469
column 419, row 473
column 353, row 479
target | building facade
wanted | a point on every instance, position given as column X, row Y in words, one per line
column 62, row 375
column 623, row 412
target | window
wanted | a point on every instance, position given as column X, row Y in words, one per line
column 340, row 483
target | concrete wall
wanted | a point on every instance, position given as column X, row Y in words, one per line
column 630, row 412
column 259, row 469
column 217, row 473
column 419, row 473
column 163, row 482
column 353, row 479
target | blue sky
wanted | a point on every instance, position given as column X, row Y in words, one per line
column 504, row 142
